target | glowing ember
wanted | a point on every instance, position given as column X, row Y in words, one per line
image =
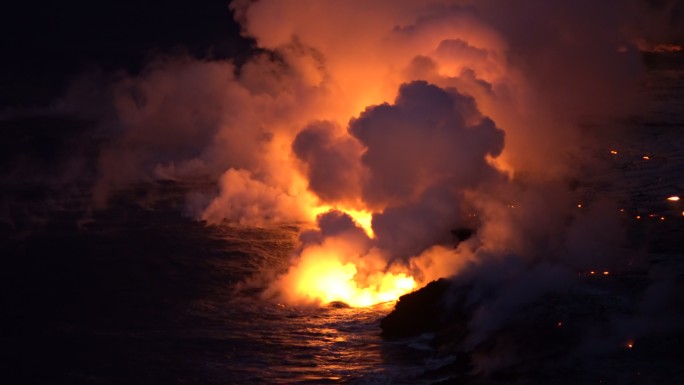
column 613, row 152
column 662, row 218
column 606, row 273
column 579, row 205
column 630, row 344
column 673, row 198
column 638, row 217
column 559, row 324
column 592, row 272
column 646, row 157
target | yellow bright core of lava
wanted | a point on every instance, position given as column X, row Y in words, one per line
column 327, row 280
column 338, row 270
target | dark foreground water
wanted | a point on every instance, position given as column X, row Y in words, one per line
column 143, row 295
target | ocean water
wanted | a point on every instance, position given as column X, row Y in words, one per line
column 141, row 294
column 138, row 293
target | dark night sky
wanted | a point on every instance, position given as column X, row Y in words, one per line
column 44, row 43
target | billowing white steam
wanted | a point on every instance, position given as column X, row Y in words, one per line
column 429, row 115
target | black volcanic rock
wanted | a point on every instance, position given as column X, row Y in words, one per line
column 418, row 312
column 338, row 305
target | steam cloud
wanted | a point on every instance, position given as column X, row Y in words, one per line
column 430, row 116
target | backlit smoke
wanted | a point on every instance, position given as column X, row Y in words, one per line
column 387, row 126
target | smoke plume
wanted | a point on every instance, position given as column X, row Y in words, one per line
column 388, row 128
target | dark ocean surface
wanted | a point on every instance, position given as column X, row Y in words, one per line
column 144, row 295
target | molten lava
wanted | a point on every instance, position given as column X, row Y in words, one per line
column 326, row 273
column 329, row 281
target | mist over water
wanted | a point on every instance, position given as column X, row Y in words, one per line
column 338, row 164
column 412, row 118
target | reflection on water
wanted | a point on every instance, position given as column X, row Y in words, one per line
column 145, row 296
column 280, row 345
column 273, row 343
column 324, row 345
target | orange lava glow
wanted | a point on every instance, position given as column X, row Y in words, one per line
column 339, row 270
column 329, row 281
column 362, row 218
column 324, row 275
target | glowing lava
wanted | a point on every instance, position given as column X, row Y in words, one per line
column 325, row 274
column 328, row 281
